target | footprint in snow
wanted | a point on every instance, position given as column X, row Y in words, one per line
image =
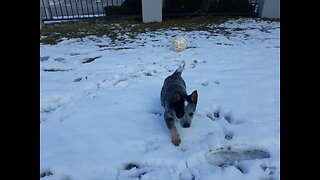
column 74, row 54
column 205, row 83
column 45, row 172
column 59, row 59
column 216, row 114
column 121, row 83
column 213, row 115
column 232, row 155
column 228, row 136
column 186, row 174
column 153, row 145
column 269, row 172
column 51, row 104
column 228, row 117
column 133, row 170
column 155, row 112
column 44, row 58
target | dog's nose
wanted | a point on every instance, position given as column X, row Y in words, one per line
column 179, row 115
column 186, row 125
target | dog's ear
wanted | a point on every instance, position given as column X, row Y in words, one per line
column 176, row 97
column 194, row 96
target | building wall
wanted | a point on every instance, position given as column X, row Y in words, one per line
column 152, row 11
column 269, row 9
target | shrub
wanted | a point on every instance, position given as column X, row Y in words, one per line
column 133, row 7
column 205, row 6
column 181, row 6
column 230, row 6
column 129, row 7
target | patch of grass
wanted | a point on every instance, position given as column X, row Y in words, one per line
column 113, row 28
column 116, row 28
column 91, row 59
column 78, row 79
column 270, row 19
column 56, row 70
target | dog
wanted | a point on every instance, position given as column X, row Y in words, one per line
column 177, row 103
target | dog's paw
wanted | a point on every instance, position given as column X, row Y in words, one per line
column 176, row 141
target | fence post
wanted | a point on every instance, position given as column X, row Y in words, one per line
column 46, row 7
column 269, row 8
column 151, row 11
column 41, row 22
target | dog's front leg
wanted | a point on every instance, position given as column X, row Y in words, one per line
column 175, row 137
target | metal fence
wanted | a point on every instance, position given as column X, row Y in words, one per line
column 81, row 9
column 254, row 3
column 74, row 9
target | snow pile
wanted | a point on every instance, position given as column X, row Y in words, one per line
column 101, row 118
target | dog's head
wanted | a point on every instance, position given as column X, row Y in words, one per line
column 184, row 107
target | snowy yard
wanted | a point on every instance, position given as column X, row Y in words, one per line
column 101, row 117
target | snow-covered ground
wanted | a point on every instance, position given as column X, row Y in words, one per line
column 101, row 118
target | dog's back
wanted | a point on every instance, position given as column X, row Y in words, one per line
column 171, row 84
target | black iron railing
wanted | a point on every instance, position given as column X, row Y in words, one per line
column 74, row 9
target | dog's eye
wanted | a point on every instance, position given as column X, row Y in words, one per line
column 191, row 114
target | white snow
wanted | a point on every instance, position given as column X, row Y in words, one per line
column 96, row 118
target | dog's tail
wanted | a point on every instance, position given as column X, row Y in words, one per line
column 180, row 68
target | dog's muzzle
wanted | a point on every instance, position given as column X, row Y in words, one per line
column 186, row 125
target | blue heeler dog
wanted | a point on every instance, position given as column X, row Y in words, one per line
column 177, row 103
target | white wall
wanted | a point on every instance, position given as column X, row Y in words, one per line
column 269, row 8
column 152, row 11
